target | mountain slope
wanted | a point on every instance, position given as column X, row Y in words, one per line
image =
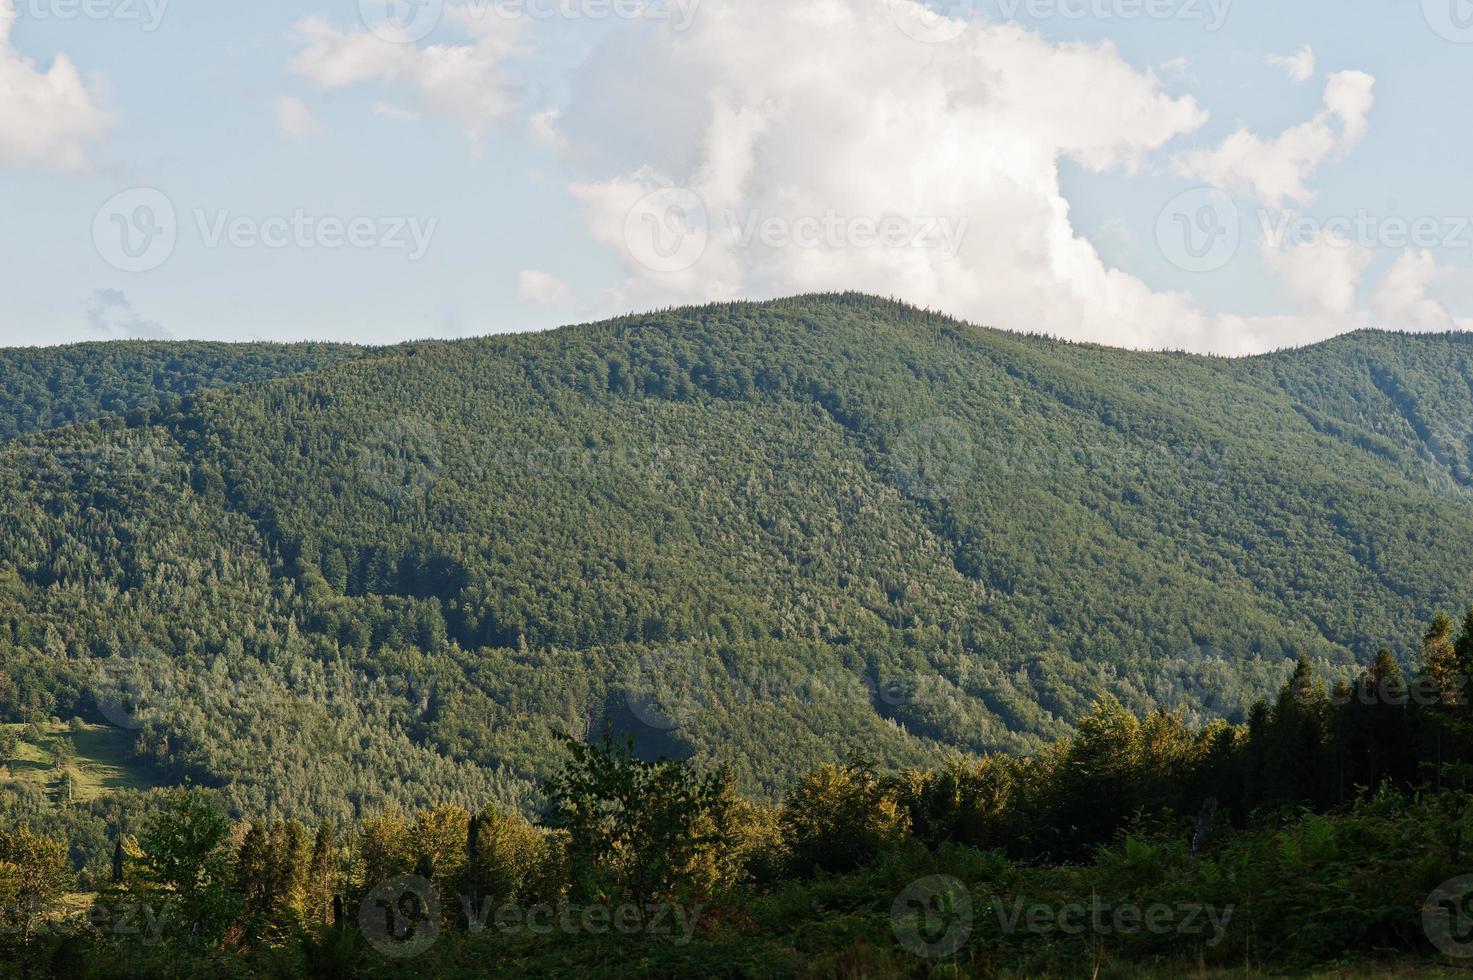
column 765, row 533
column 41, row 388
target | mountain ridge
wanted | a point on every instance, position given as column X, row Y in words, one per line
column 770, row 512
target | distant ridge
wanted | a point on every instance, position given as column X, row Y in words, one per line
column 817, row 526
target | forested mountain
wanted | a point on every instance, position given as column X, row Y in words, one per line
column 766, row 534
column 42, row 388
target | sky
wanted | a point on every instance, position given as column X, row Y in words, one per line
column 1220, row 176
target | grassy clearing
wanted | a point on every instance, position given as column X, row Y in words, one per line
column 99, row 759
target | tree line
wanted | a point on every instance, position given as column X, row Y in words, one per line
column 616, row 830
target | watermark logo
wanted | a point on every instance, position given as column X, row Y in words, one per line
column 136, row 230
column 932, row 917
column 574, row 461
column 934, row 459
column 1422, row 691
column 1204, row 682
column 1452, row 20
column 658, row 920
column 667, row 231
column 148, row 13
column 400, row 917
column 401, row 460
column 1105, row 918
column 678, row 14
column 300, row 229
column 664, row 688
column 1366, row 230
column 122, row 920
column 1447, row 917
column 134, row 691
column 1199, row 230
column 401, row 21
column 944, row 236
column 1212, row 14
column 933, row 21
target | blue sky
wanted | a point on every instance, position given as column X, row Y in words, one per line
column 1040, row 165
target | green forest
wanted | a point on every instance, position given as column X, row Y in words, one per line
column 680, row 589
column 1332, row 827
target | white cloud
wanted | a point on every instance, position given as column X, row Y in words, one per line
column 465, row 83
column 1278, row 169
column 1323, row 272
column 295, row 118
column 543, row 288
column 46, row 118
column 395, row 112
column 543, row 127
column 745, row 111
column 1299, row 65
column 802, row 112
column 1400, row 300
column 111, row 314
column 775, row 133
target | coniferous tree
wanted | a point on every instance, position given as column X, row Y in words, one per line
column 1441, row 684
column 321, row 877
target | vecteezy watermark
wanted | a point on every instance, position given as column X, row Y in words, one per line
column 120, row 919
column 666, row 230
column 674, row 922
column 400, row 917
column 932, row 917
column 1447, row 917
column 1212, row 14
column 941, row 235
column 1452, row 20
column 1104, row 918
column 138, row 229
column 135, row 690
column 294, row 684
column 1424, row 692
column 409, row 21
column 668, row 688
column 1163, row 464
column 934, row 459
column 678, row 14
column 669, row 230
column 933, row 21
column 1285, row 229
column 664, row 689
column 1199, row 230
column 301, row 230
column 400, row 461
column 401, row 21
column 574, row 460
column 1205, row 683
column 149, row 14
column 105, row 462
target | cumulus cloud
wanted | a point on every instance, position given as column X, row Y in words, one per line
column 465, row 82
column 46, row 118
column 1299, row 65
column 1400, row 300
column 111, row 314
column 295, row 118
column 1278, row 169
column 1324, row 271
column 775, row 148
column 543, row 288
column 798, row 150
